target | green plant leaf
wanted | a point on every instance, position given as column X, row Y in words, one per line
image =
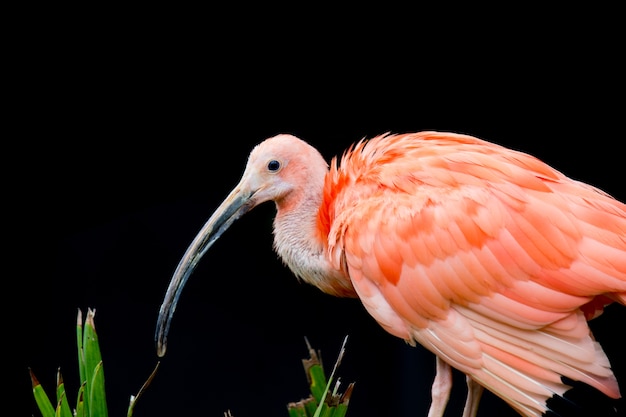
column 82, row 366
column 314, row 373
column 296, row 410
column 341, row 410
column 63, row 406
column 310, row 407
column 91, row 348
column 322, row 409
column 97, row 397
column 41, row 398
column 80, row 402
column 91, row 397
column 318, row 381
column 60, row 410
column 322, row 402
column 302, row 408
column 134, row 398
column 94, row 372
column 79, row 342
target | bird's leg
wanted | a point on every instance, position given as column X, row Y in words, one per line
column 474, row 392
column 440, row 390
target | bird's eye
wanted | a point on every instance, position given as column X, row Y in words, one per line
column 273, row 165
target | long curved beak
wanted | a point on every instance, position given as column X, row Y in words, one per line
column 238, row 202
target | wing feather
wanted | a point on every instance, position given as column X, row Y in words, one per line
column 450, row 285
column 487, row 257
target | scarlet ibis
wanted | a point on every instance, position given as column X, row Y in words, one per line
column 488, row 257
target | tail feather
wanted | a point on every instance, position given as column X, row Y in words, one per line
column 529, row 368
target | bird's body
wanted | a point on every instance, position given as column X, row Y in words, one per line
column 486, row 256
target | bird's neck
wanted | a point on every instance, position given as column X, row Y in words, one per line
column 300, row 245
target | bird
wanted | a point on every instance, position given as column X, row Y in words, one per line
column 488, row 257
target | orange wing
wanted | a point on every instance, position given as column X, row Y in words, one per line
column 486, row 256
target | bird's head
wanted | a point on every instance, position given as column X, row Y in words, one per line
column 278, row 170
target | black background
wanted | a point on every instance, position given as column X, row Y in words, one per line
column 126, row 132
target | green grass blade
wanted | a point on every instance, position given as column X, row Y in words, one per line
column 60, row 409
column 318, row 382
column 97, row 397
column 133, row 399
column 302, row 408
column 322, row 402
column 63, row 406
column 94, row 373
column 91, row 348
column 342, row 407
column 79, row 342
column 82, row 364
column 323, row 410
column 320, row 408
column 91, row 397
column 41, row 398
column 310, row 407
column 297, row 410
column 80, row 402
column 314, row 373
column 341, row 410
